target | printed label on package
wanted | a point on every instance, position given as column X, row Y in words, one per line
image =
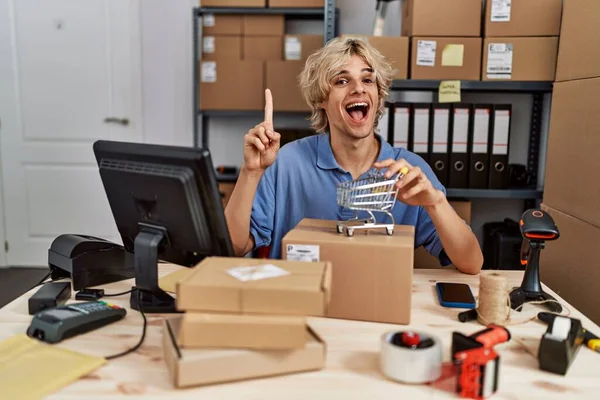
column 256, row 273
column 500, row 59
column 208, row 20
column 208, row 44
column 426, row 53
column 209, row 72
column 500, row 11
column 302, row 252
column 293, row 48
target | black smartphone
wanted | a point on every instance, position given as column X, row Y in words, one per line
column 455, row 295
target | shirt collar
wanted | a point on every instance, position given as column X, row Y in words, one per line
column 326, row 159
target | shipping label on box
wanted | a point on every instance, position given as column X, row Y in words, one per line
column 426, row 52
column 500, row 60
column 500, row 10
column 208, row 72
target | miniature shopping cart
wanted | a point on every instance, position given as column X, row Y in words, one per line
column 372, row 194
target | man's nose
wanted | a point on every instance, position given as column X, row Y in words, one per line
column 358, row 87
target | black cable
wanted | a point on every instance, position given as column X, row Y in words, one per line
column 134, row 348
column 117, row 294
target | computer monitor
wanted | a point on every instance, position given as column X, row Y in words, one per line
column 166, row 204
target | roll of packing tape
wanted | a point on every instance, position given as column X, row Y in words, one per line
column 411, row 357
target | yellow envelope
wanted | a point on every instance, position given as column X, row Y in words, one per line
column 449, row 92
column 30, row 369
column 452, row 55
column 168, row 283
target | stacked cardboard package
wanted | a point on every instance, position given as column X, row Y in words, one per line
column 571, row 193
column 521, row 40
column 245, row 318
column 445, row 38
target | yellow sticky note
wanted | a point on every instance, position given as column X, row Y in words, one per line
column 449, row 92
column 168, row 283
column 452, row 55
column 30, row 369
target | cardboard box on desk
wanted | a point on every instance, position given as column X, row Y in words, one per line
column 372, row 272
column 231, row 85
column 441, row 18
column 519, row 59
column 446, row 58
column 572, row 161
column 217, row 330
column 568, row 265
column 221, row 284
column 523, row 18
column 196, row 367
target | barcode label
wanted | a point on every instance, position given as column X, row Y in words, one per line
column 293, row 48
column 500, row 59
column 500, row 11
column 426, row 53
column 209, row 72
column 208, row 20
column 208, row 44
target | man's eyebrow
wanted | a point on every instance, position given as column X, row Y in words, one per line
column 363, row 70
column 367, row 70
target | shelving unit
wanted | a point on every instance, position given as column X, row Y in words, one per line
column 537, row 90
column 328, row 14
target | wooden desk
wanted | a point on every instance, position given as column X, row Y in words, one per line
column 352, row 370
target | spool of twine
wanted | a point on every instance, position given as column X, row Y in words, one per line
column 494, row 300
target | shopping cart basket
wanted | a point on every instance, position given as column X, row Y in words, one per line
column 372, row 194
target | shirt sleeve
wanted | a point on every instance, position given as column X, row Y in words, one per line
column 263, row 210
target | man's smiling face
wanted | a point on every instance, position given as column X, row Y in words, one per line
column 353, row 100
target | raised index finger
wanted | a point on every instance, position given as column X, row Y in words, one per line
column 268, row 107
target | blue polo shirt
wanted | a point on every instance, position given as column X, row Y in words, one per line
column 302, row 183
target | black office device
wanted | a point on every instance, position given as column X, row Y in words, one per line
column 51, row 294
column 502, row 242
column 89, row 261
column 560, row 344
column 57, row 324
column 166, row 204
column 537, row 227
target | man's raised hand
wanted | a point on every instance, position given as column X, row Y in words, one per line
column 261, row 143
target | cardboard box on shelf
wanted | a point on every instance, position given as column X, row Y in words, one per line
column 282, row 80
column 371, row 270
column 221, row 48
column 573, row 144
column 441, row 18
column 256, row 286
column 231, row 85
column 522, row 18
column 446, row 58
column 299, row 47
column 263, row 25
column 519, row 59
column 197, row 367
column 578, row 55
column 425, row 260
column 395, row 49
column 262, row 48
column 296, row 3
column 221, row 24
column 201, row 330
column 233, row 3
column 568, row 264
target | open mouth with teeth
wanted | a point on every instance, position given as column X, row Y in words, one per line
column 358, row 111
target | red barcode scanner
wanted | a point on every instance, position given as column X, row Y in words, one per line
column 537, row 227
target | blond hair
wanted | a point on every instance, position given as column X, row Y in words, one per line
column 322, row 66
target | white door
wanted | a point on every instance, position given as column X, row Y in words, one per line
column 65, row 67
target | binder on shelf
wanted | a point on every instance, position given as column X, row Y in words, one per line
column 420, row 131
column 501, row 117
column 461, row 122
column 479, row 152
column 439, row 143
column 401, row 127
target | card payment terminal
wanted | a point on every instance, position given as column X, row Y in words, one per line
column 59, row 323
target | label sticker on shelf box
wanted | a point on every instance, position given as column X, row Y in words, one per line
column 293, row 48
column 500, row 11
column 426, row 52
column 302, row 252
column 256, row 273
column 208, row 44
column 208, row 20
column 209, row 72
column 499, row 62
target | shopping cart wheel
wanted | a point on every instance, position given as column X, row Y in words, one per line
column 390, row 231
column 349, row 231
column 340, row 228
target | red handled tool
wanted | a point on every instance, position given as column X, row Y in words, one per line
column 476, row 361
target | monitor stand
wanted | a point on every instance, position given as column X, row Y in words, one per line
column 147, row 296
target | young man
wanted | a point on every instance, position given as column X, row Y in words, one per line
column 345, row 84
